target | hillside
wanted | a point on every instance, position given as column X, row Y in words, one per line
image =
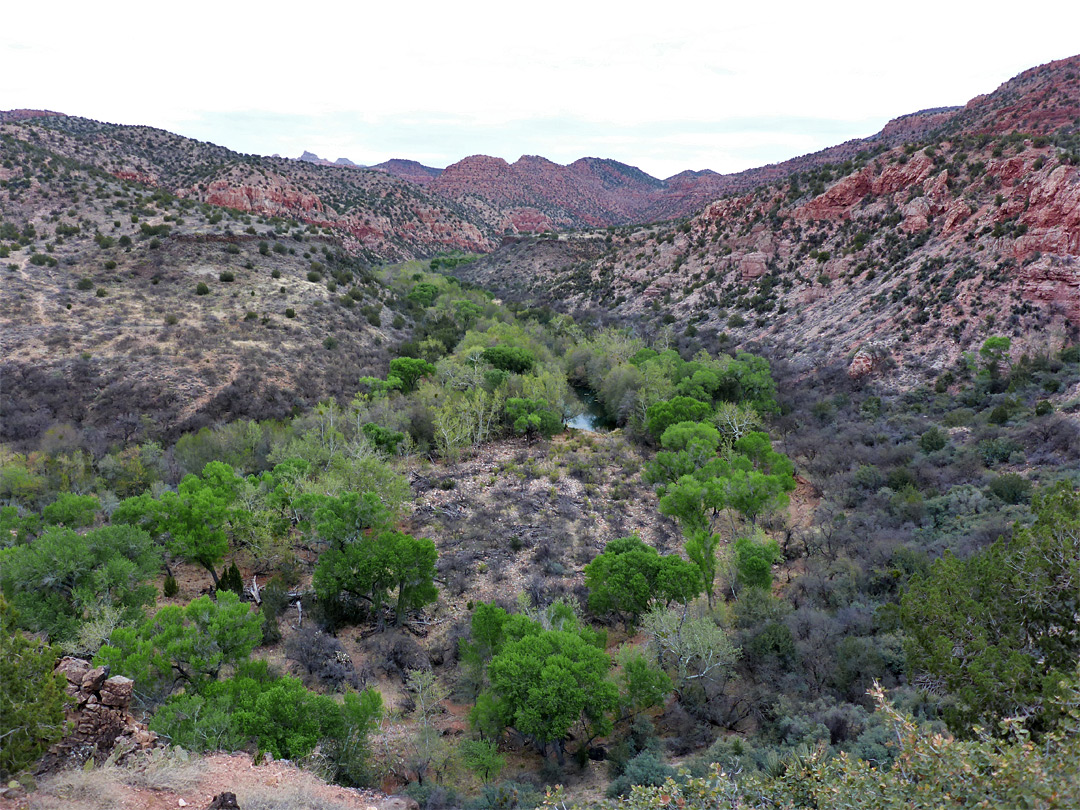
column 132, row 312
column 378, row 216
column 915, row 253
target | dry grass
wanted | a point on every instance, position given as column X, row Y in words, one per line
column 164, row 769
column 76, row 789
column 288, row 797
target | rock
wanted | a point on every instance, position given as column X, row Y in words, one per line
column 93, row 680
column 74, row 669
column 223, row 801
column 863, row 363
column 117, row 691
column 753, row 265
column 398, row 803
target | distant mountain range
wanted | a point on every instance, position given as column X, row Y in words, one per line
column 908, row 247
column 534, row 194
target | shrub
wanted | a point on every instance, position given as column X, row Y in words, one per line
column 73, row 511
column 1011, row 488
column 226, row 275
column 933, row 440
column 290, row 313
column 85, row 284
column 58, row 579
column 170, row 587
column 32, row 697
column 202, row 289
column 314, row 276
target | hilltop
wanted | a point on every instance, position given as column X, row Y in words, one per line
column 913, row 254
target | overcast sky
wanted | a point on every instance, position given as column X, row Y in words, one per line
column 663, row 86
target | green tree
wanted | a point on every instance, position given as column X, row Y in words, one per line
column 994, row 354
column 510, row 358
column 190, row 644
column 754, row 559
column 193, row 518
column 369, row 569
column 546, row 681
column 408, row 370
column 989, row 629
column 629, row 575
column 662, row 415
column 32, row 697
column 71, row 510
column 532, row 417
column 63, row 578
column 701, row 548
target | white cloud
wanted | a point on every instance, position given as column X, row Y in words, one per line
column 437, row 76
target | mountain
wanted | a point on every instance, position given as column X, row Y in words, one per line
column 910, row 254
column 378, row 216
column 155, row 285
column 903, row 250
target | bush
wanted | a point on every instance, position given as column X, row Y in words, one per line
column 170, row 588
column 73, row 511
column 85, row 284
column 933, row 440
column 57, row 580
column 32, row 697
column 647, row 768
column 226, row 275
column 202, row 289
column 290, row 313
column 1011, row 488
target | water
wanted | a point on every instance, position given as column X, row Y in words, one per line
column 592, row 417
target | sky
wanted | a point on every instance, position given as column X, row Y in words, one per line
column 662, row 86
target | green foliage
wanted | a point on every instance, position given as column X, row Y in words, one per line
column 628, row 576
column 193, row 518
column 423, row 294
column 189, row 644
column 994, row 353
column 278, row 715
column 232, row 581
column 754, row 559
column 482, row 757
column 170, row 588
column 384, row 439
column 409, row 370
column 512, row 359
column 641, row 685
column 662, row 415
column 202, row 289
column 928, row 770
column 367, row 570
column 532, row 417
column 545, row 681
column 989, row 628
column 933, row 440
column 32, row 697
column 1011, row 488
column 62, row 579
column 73, row 511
